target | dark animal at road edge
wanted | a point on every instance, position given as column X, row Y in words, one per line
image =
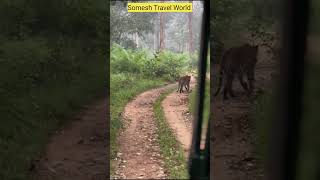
column 184, row 82
column 238, row 61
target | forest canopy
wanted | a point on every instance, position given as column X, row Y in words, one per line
column 143, row 30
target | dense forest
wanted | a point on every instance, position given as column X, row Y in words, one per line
column 148, row 50
column 247, row 21
column 177, row 32
column 53, row 57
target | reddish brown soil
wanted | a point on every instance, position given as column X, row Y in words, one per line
column 79, row 151
column 175, row 107
column 232, row 145
column 139, row 153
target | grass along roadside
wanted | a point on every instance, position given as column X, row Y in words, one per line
column 192, row 101
column 123, row 88
column 170, row 148
column 29, row 118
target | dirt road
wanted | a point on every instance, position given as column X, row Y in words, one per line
column 139, row 152
column 232, row 156
column 79, row 150
column 175, row 107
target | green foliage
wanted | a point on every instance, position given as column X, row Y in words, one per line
column 134, row 71
column 22, row 63
column 166, row 64
column 124, row 24
column 52, row 60
column 29, row 113
column 192, row 101
column 121, row 61
column 170, row 148
column 21, row 18
column 123, row 88
column 194, row 60
column 234, row 22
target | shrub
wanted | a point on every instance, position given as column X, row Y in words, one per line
column 165, row 64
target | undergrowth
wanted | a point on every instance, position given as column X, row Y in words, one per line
column 171, row 149
column 123, row 88
column 135, row 71
column 52, row 61
column 192, row 101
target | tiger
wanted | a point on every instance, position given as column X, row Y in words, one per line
column 184, row 82
column 238, row 61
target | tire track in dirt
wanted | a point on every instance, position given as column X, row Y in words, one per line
column 175, row 107
column 78, row 151
column 139, row 152
column 232, row 145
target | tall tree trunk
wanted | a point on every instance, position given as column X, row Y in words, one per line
column 190, row 32
column 156, row 34
column 155, row 37
column 162, row 33
column 136, row 37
